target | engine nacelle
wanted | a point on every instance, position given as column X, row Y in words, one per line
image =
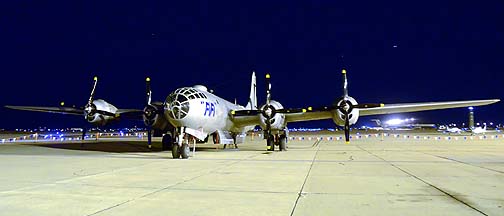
column 98, row 114
column 154, row 116
column 339, row 117
column 278, row 119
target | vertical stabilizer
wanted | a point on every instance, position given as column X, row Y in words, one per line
column 377, row 121
column 252, row 103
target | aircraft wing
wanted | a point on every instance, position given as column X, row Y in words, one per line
column 242, row 121
column 308, row 116
column 415, row 107
column 60, row 110
column 134, row 114
column 389, row 109
column 128, row 113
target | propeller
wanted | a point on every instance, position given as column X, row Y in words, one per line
column 150, row 111
column 268, row 111
column 345, row 106
column 90, row 109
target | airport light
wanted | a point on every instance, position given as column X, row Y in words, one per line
column 394, row 122
column 471, row 108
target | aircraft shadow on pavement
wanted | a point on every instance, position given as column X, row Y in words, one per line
column 120, row 147
column 113, row 147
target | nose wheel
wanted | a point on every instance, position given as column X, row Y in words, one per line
column 181, row 148
column 182, row 151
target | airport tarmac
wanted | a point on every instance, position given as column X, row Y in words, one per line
column 314, row 177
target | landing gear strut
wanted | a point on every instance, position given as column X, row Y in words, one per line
column 279, row 139
column 181, row 148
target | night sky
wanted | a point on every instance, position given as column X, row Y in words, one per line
column 394, row 53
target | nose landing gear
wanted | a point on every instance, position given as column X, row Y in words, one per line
column 181, row 148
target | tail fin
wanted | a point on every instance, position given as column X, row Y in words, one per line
column 252, row 103
column 377, row 121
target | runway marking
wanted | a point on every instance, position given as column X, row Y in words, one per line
column 306, row 177
column 427, row 183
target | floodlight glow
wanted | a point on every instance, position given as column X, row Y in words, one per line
column 471, row 108
column 394, row 121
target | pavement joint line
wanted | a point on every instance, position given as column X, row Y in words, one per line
column 66, row 180
column 427, row 183
column 465, row 163
column 306, row 178
column 169, row 187
column 235, row 191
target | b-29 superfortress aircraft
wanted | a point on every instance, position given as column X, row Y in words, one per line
column 193, row 113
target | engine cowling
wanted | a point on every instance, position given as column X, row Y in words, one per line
column 353, row 113
column 277, row 120
column 100, row 112
column 154, row 116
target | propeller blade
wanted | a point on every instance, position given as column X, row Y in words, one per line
column 347, row 129
column 92, row 91
column 345, row 83
column 245, row 112
column 268, row 89
column 90, row 109
column 324, row 108
column 149, row 136
column 149, row 92
column 369, row 105
column 291, row 110
column 83, row 133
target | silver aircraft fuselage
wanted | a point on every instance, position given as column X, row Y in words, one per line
column 196, row 108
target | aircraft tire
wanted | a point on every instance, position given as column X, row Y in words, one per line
column 185, row 151
column 271, row 143
column 283, row 144
column 167, row 142
column 175, row 151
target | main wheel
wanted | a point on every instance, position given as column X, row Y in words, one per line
column 167, row 142
column 283, row 143
column 271, row 143
column 185, row 151
column 175, row 151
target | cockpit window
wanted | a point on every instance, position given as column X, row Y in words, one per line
column 178, row 101
column 178, row 104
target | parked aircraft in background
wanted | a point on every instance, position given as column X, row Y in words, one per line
column 479, row 130
column 399, row 124
column 451, row 130
column 193, row 113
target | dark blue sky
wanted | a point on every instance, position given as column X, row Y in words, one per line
column 50, row 52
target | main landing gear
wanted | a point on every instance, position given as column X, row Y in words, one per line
column 279, row 140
